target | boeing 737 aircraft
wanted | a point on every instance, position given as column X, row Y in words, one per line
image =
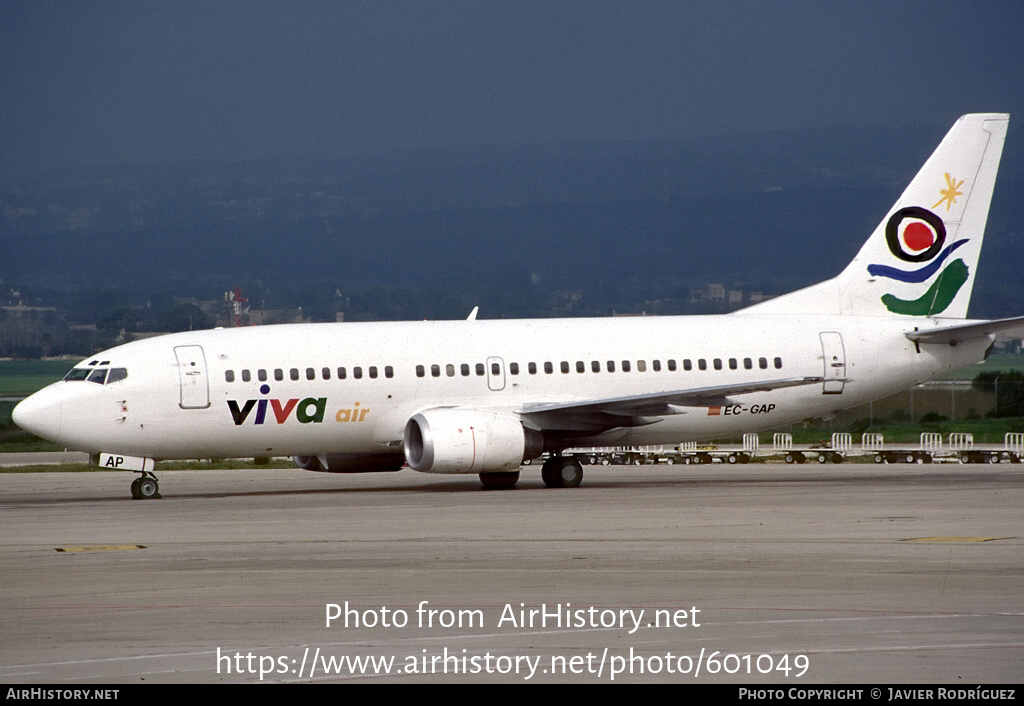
column 481, row 397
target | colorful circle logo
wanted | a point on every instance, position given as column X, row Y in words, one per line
column 915, row 234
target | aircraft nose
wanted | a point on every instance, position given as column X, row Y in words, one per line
column 40, row 414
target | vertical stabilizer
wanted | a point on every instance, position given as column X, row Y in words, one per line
column 922, row 258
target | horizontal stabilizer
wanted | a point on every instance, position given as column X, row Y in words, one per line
column 953, row 335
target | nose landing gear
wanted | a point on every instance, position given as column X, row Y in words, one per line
column 146, row 487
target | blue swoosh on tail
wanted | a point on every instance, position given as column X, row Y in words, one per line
column 916, row 275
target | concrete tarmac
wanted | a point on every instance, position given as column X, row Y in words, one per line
column 758, row 574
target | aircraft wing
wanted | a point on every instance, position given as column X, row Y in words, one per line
column 952, row 335
column 592, row 416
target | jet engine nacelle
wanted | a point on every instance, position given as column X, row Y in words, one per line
column 351, row 463
column 468, row 441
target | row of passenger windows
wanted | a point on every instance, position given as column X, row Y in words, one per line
column 311, row 373
column 480, row 370
column 595, row 366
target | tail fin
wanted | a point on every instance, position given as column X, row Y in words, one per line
column 922, row 257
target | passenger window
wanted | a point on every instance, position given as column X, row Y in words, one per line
column 373, row 372
column 261, row 375
column 778, row 363
column 117, row 374
column 229, row 376
column 718, row 363
column 310, row 374
column 246, row 376
column 435, row 371
column 450, row 370
column 687, row 365
column 702, row 364
column 278, row 374
column 564, row 367
column 480, row 369
column 672, row 365
column 100, row 376
column 342, row 373
column 495, row 369
column 656, row 364
column 548, row 367
column 733, row 365
column 513, row 368
column 357, row 372
column 580, row 366
column 625, row 366
column 294, row 372
column 464, row 369
column 532, row 368
column 748, row 364
column 595, row 366
column 611, row 366
column 325, row 372
column 389, row 372
column 762, row 363
column 641, row 366
column 419, row 371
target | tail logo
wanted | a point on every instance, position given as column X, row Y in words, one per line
column 917, row 235
column 950, row 193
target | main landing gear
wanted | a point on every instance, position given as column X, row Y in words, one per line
column 562, row 472
column 146, row 487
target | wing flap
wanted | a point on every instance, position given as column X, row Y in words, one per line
column 593, row 416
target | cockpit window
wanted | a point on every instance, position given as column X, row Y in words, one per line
column 97, row 375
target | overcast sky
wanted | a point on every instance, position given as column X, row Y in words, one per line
column 103, row 81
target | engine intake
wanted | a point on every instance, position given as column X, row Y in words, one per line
column 468, row 441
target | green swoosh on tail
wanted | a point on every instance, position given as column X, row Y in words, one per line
column 937, row 298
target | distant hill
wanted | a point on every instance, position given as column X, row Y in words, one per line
column 777, row 210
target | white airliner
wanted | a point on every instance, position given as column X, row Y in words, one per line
column 481, row 397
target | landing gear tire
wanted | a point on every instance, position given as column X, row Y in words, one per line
column 549, row 471
column 499, row 481
column 562, row 472
column 571, row 473
column 146, row 487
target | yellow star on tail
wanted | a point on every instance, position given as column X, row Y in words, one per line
column 950, row 193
